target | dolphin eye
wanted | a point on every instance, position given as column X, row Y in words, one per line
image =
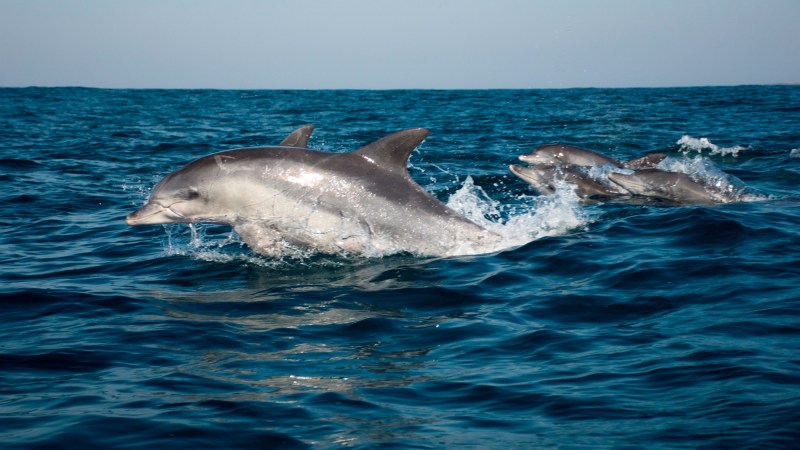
column 188, row 194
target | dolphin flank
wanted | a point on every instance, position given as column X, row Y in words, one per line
column 285, row 197
column 673, row 186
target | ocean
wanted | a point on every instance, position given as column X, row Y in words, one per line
column 598, row 325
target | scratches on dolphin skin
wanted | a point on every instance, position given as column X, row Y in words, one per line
column 222, row 168
column 220, row 160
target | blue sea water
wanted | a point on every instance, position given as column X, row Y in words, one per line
column 610, row 325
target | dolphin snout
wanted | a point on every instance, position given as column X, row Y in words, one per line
column 149, row 214
column 629, row 182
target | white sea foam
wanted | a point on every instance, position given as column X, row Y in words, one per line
column 195, row 241
column 795, row 153
column 689, row 144
column 531, row 218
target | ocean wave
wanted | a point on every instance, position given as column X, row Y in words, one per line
column 599, row 325
column 689, row 144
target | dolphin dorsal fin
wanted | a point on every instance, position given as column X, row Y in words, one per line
column 647, row 161
column 392, row 152
column 298, row 137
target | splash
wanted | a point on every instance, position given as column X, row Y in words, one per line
column 703, row 170
column 689, row 144
column 202, row 242
column 528, row 219
column 795, row 153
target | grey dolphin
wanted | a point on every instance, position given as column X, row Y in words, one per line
column 567, row 154
column 673, row 186
column 283, row 197
column 543, row 178
column 578, row 156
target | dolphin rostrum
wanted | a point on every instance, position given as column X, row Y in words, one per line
column 543, row 178
column 555, row 154
column 673, row 186
column 287, row 197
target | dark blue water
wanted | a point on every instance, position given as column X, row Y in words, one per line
column 617, row 326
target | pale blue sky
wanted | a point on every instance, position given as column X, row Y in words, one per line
column 450, row 44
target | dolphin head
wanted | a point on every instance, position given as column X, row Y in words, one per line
column 183, row 196
column 539, row 177
column 545, row 154
column 192, row 193
column 638, row 183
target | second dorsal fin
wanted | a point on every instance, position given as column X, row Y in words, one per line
column 298, row 137
column 392, row 152
column 646, row 162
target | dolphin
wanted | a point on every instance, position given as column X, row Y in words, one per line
column 567, row 154
column 578, row 156
column 286, row 198
column 543, row 178
column 673, row 186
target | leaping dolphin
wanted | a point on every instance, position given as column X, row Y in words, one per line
column 284, row 197
column 556, row 154
column 673, row 186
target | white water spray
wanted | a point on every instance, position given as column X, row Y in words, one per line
column 689, row 144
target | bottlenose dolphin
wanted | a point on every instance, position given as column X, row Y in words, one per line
column 543, row 178
column 673, row 186
column 282, row 198
column 567, row 154
column 578, row 156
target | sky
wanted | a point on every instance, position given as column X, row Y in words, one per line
column 404, row 44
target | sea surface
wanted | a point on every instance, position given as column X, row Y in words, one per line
column 606, row 325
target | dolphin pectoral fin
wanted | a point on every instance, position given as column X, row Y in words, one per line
column 392, row 152
column 299, row 137
column 152, row 214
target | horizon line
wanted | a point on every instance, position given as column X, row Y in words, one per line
column 69, row 86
